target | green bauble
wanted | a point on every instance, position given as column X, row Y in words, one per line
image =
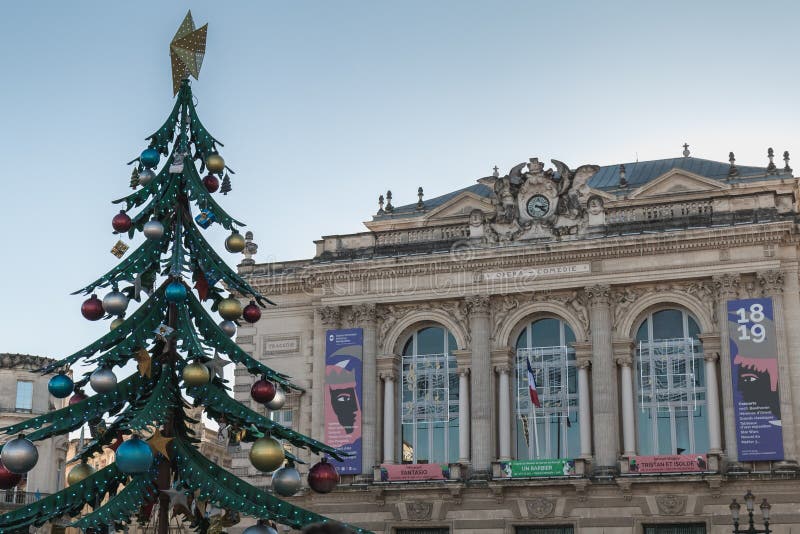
column 196, row 374
column 266, row 455
column 230, row 309
column 79, row 472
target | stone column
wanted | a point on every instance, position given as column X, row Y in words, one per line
column 463, row 357
column 388, row 372
column 791, row 306
column 364, row 316
column 771, row 283
column 583, row 355
column 604, row 382
column 711, row 349
column 726, row 287
column 504, row 411
column 482, row 391
column 624, row 360
column 325, row 317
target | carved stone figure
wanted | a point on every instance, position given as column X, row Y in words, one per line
column 540, row 507
column 671, row 504
column 419, row 511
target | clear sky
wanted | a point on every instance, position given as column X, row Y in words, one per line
column 324, row 105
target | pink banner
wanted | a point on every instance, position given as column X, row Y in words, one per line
column 398, row 472
column 671, row 463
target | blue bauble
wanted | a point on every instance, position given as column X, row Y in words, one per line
column 176, row 292
column 60, row 386
column 134, row 456
column 150, row 157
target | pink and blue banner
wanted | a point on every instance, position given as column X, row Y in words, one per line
column 343, row 395
column 754, row 374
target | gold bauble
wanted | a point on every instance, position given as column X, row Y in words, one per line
column 267, row 454
column 196, row 374
column 116, row 323
column 235, row 242
column 79, row 472
column 215, row 163
column 230, row 309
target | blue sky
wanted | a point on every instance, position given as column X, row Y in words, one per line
column 324, row 105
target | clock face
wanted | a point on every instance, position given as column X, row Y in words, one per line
column 538, row 206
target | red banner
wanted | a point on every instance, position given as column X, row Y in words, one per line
column 400, row 472
column 671, row 463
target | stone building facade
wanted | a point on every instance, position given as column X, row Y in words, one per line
column 616, row 290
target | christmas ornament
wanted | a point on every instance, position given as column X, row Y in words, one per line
column 144, row 364
column 121, row 222
column 215, row 163
column 322, row 477
column 146, row 176
column 211, row 182
column 79, row 396
column 226, row 185
column 204, row 219
column 263, row 390
column 116, row 323
column 135, row 178
column 235, row 242
column 266, row 455
column 8, row 479
column 115, row 303
column 60, row 386
column 176, row 167
column 196, row 374
column 119, row 249
column 92, row 308
column 186, row 51
column 103, row 380
column 176, row 292
column 260, row 528
column 153, row 229
column 278, row 401
column 19, row 455
column 229, row 327
column 163, row 331
column 251, row 313
column 79, row 472
column 149, row 158
column 160, row 443
column 217, row 365
column 286, row 481
column 230, row 308
column 134, row 456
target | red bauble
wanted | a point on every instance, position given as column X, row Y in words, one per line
column 92, row 308
column 211, row 182
column 77, row 397
column 251, row 313
column 121, row 222
column 8, row 479
column 263, row 391
column 323, row 477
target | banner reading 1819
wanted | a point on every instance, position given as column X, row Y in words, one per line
column 754, row 372
column 343, row 380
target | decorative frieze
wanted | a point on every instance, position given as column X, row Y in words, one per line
column 477, row 305
column 771, row 282
column 329, row 315
column 599, row 295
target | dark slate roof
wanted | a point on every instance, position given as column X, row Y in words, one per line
column 637, row 174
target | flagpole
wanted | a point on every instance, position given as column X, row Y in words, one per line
column 535, row 430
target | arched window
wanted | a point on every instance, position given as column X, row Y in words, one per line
column 671, row 385
column 551, row 429
column 429, row 412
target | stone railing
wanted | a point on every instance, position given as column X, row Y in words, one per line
column 421, row 235
column 663, row 212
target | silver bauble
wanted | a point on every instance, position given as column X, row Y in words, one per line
column 229, row 327
column 19, row 455
column 153, row 229
column 277, row 401
column 146, row 176
column 115, row 303
column 259, row 529
column 103, row 380
column 286, row 481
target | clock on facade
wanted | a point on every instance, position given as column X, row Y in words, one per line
column 538, row 206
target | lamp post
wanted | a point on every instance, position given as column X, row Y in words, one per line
column 749, row 503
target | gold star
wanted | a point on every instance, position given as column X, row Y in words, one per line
column 145, row 363
column 186, row 51
column 160, row 443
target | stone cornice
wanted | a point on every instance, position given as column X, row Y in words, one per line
column 23, row 361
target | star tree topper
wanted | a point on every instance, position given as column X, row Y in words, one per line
column 186, row 51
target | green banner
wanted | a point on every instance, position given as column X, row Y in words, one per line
column 538, row 468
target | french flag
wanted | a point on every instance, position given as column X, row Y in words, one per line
column 532, row 385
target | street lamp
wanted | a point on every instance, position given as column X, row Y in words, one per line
column 749, row 504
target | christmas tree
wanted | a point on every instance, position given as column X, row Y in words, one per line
column 177, row 347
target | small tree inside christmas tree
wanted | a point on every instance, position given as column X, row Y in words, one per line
column 176, row 345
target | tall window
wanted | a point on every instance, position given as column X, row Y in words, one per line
column 671, row 385
column 429, row 412
column 550, row 430
column 24, row 396
column 680, row 528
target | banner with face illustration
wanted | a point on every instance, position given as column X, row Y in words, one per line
column 342, row 397
column 754, row 373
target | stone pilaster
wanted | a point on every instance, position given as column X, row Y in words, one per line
column 464, row 360
column 604, row 381
column 364, row 316
column 726, row 287
column 623, row 357
column 388, row 372
column 325, row 317
column 711, row 350
column 791, row 306
column 583, row 356
column 481, row 384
